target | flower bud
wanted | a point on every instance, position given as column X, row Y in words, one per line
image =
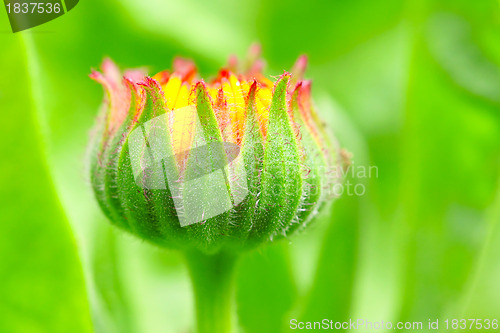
column 228, row 164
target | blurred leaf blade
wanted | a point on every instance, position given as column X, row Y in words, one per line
column 332, row 289
column 41, row 280
column 434, row 138
column 266, row 290
column 443, row 195
column 68, row 102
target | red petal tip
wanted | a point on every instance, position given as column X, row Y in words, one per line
column 298, row 87
column 253, row 88
column 255, row 50
column 299, row 68
column 185, row 68
column 232, row 63
column 95, row 75
column 306, row 85
column 134, row 75
column 223, row 74
column 110, row 69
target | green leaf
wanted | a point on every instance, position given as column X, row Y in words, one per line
column 68, row 102
column 266, row 290
column 41, row 278
column 481, row 296
column 114, row 314
column 331, row 292
column 450, row 135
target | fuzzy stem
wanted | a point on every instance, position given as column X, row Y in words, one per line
column 212, row 279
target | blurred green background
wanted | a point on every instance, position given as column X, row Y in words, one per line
column 411, row 87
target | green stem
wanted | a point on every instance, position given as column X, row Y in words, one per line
column 212, row 278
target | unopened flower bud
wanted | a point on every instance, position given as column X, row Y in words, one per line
column 228, row 164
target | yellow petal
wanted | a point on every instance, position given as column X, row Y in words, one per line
column 176, row 93
column 263, row 101
column 236, row 104
column 182, row 122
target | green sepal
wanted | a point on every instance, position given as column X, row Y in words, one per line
column 313, row 169
column 111, row 188
column 150, row 211
column 206, row 233
column 105, row 159
column 281, row 177
column 252, row 152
